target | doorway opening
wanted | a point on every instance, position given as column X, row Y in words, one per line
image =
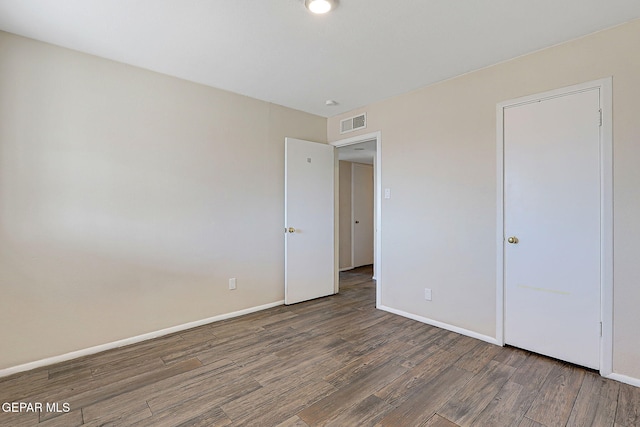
column 356, row 205
column 358, row 197
column 358, row 279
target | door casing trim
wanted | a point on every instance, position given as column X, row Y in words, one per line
column 606, row 211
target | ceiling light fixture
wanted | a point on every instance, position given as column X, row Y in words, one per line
column 320, row 6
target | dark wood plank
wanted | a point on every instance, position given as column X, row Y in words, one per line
column 471, row 399
column 462, row 345
column 136, row 400
column 527, row 422
column 191, row 413
column 367, row 412
column 512, row 356
column 109, row 390
column 596, row 403
column 603, row 387
column 534, row 370
column 555, row 401
column 366, row 383
column 517, row 395
column 276, row 402
column 117, row 419
column 402, row 388
column 592, row 410
column 438, row 421
column 41, row 388
column 426, row 399
column 23, row 381
column 628, row 413
column 478, row 357
column 508, row 407
column 123, row 411
column 368, row 361
column 215, row 390
column 18, row 419
column 294, row 421
column 70, row 419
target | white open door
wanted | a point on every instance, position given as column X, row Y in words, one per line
column 309, row 220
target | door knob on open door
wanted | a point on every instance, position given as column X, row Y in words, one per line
column 291, row 230
column 512, row 239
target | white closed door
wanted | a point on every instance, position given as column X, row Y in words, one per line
column 309, row 220
column 552, row 223
column 362, row 207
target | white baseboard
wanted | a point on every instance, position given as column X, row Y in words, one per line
column 127, row 341
column 346, row 268
column 441, row 325
column 624, row 379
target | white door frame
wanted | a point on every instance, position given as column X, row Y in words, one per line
column 606, row 212
column 377, row 201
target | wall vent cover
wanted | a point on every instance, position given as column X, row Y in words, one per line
column 353, row 123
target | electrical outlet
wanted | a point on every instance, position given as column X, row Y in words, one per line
column 427, row 294
column 232, row 283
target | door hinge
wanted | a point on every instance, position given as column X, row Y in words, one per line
column 600, row 328
column 600, row 115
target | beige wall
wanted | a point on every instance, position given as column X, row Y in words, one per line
column 345, row 214
column 129, row 198
column 439, row 159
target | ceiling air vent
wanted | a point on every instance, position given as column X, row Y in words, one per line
column 353, row 123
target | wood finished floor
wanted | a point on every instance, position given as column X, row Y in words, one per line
column 333, row 361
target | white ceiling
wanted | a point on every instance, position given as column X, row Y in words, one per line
column 277, row 51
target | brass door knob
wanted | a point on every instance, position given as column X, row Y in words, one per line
column 291, row 230
column 512, row 239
